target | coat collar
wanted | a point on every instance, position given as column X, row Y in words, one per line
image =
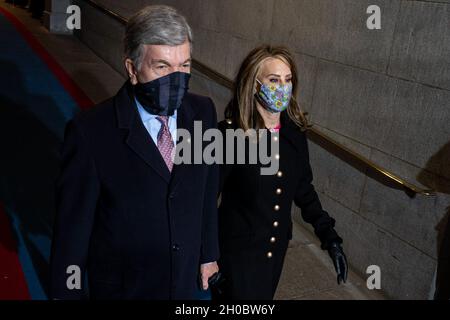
column 138, row 138
column 289, row 130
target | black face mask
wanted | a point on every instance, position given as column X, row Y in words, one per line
column 164, row 95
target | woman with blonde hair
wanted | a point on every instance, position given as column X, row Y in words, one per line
column 255, row 223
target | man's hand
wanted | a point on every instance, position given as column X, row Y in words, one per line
column 206, row 271
column 339, row 260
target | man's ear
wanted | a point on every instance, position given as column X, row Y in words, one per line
column 131, row 70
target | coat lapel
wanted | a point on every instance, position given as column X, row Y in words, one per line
column 185, row 120
column 289, row 130
column 138, row 139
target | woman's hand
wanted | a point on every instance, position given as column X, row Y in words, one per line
column 339, row 260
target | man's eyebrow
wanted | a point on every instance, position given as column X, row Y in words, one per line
column 168, row 63
column 161, row 61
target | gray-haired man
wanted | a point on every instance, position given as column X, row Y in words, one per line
column 138, row 226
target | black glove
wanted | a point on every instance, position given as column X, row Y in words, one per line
column 339, row 260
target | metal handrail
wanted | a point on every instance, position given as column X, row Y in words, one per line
column 105, row 10
column 228, row 83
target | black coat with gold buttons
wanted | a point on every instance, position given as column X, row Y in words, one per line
column 255, row 222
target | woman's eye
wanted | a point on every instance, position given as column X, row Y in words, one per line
column 273, row 80
column 186, row 65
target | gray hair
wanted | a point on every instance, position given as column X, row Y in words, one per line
column 157, row 25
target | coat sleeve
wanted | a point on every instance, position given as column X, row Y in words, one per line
column 307, row 200
column 77, row 191
column 210, row 241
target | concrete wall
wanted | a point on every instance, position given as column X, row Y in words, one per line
column 384, row 93
column 55, row 16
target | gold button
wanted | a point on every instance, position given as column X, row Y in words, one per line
column 278, row 191
column 275, row 224
column 229, row 121
column 272, row 239
column 269, row 254
column 277, row 156
column 279, row 174
column 276, row 208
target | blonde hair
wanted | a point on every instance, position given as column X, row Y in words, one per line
column 242, row 107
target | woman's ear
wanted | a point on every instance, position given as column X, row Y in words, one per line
column 131, row 70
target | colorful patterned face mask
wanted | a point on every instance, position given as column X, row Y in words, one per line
column 274, row 98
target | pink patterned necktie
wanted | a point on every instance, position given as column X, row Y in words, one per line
column 165, row 142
